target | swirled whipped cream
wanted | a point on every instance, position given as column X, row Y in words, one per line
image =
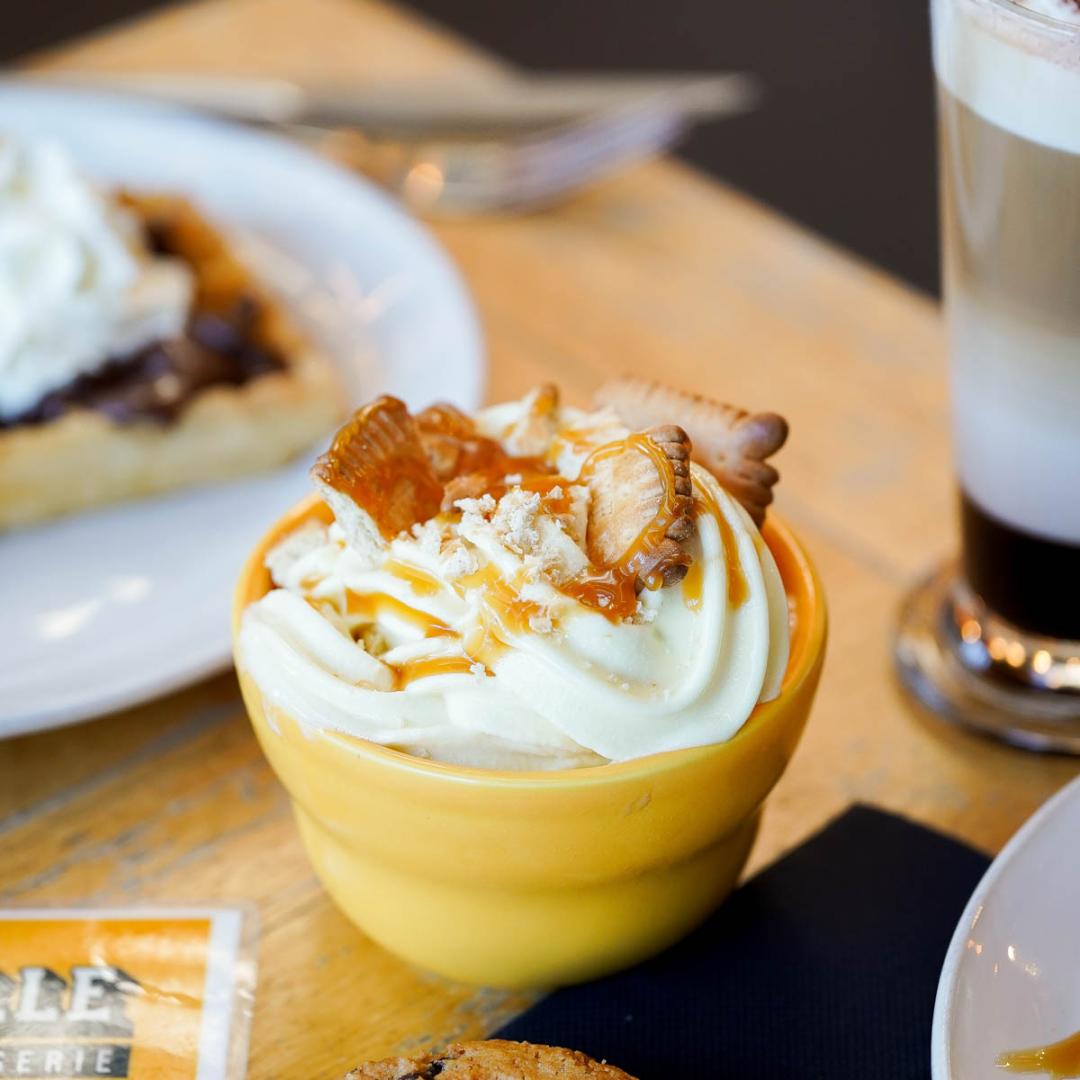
column 77, row 284
column 491, row 633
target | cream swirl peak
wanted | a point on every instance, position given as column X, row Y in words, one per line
column 77, row 284
column 536, row 588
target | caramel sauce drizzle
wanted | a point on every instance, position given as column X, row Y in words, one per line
column 369, row 606
column 535, row 477
column 377, row 460
column 611, row 589
column 737, row 588
column 610, row 592
column 692, row 585
column 503, row 614
column 1059, row 1060
column 460, row 450
column 573, row 440
column 420, row 581
column 424, row 667
column 507, row 612
column 487, row 458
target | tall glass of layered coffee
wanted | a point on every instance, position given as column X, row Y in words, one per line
column 995, row 639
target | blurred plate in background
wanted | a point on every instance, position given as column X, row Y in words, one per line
column 109, row 608
column 1011, row 979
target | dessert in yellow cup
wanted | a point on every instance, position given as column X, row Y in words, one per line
column 534, row 878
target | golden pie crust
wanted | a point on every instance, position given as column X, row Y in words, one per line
column 83, row 459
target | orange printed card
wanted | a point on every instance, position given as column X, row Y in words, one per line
column 155, row 992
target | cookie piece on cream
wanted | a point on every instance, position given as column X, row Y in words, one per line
column 641, row 511
column 376, row 475
column 730, row 442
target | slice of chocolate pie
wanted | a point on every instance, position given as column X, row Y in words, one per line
column 137, row 353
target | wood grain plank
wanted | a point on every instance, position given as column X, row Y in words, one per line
column 358, row 40
column 40, row 770
column 866, row 743
column 205, row 820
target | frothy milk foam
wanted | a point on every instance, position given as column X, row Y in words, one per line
column 1015, row 344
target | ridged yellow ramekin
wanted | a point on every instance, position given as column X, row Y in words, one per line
column 541, row 878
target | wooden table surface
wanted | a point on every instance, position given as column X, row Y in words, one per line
column 661, row 272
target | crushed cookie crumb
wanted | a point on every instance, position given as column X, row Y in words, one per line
column 515, row 521
column 457, row 560
column 429, row 537
column 483, row 507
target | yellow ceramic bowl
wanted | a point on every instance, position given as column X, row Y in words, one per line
column 536, row 879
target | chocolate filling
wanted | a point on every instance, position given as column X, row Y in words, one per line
column 157, row 382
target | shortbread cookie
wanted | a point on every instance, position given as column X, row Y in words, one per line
column 495, row 1059
column 641, row 508
column 730, row 442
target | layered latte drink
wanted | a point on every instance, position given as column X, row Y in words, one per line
column 1009, row 99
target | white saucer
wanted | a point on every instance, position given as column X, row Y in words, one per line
column 1011, row 978
column 110, row 608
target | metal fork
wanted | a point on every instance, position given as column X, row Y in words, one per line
column 502, row 143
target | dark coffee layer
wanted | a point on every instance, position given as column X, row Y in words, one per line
column 1028, row 580
column 156, row 382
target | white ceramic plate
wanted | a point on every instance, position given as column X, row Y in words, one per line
column 1011, row 978
column 110, row 608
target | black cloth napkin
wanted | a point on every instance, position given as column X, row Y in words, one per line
column 824, row 965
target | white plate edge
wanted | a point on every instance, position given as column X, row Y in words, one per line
column 940, row 1054
column 213, row 662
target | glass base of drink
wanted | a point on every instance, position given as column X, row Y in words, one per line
column 974, row 668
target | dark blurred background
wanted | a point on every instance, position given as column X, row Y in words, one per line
column 842, row 142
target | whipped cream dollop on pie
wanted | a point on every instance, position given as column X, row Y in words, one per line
column 77, row 282
column 535, row 587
